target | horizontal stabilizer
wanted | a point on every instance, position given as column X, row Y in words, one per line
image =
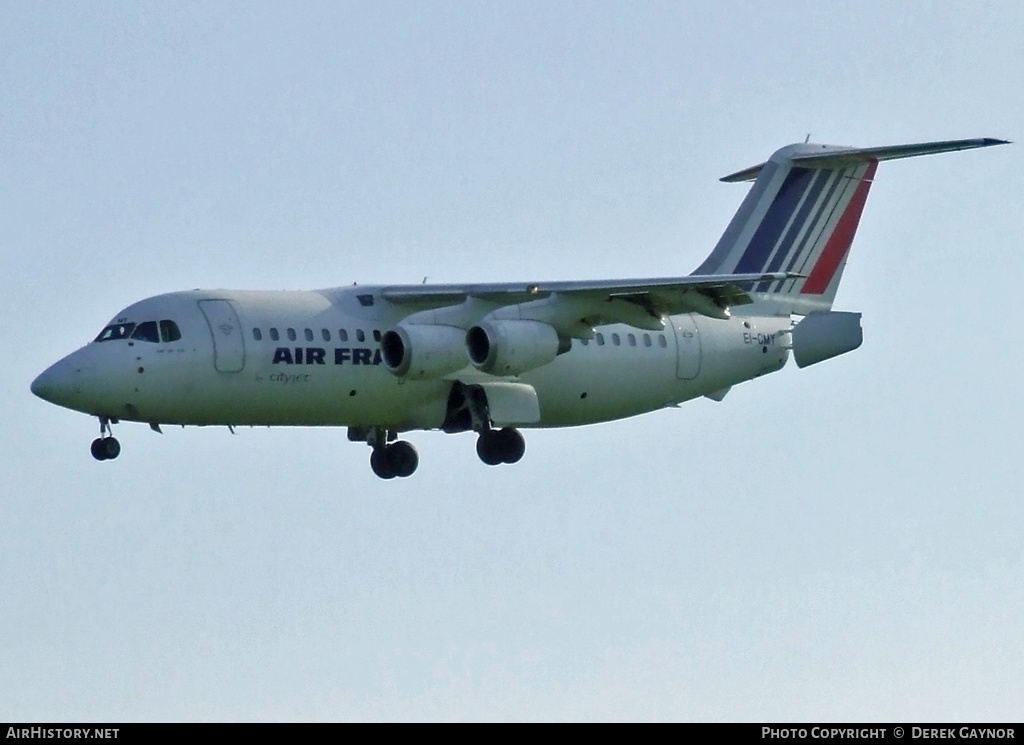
column 832, row 157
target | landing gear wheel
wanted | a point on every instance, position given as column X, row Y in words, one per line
column 398, row 459
column 489, row 447
column 496, row 446
column 105, row 448
column 379, row 464
column 513, row 445
column 97, row 449
column 402, row 459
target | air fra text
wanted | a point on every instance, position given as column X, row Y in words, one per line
column 318, row 356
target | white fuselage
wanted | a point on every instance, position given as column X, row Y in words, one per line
column 324, row 367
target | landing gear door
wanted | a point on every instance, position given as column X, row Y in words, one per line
column 687, row 347
column 228, row 344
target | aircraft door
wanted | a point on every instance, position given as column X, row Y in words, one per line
column 228, row 344
column 687, row 347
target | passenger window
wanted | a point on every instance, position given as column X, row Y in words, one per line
column 600, row 339
column 291, row 334
column 585, row 341
column 257, row 334
column 326, row 334
column 147, row 332
column 376, row 334
column 632, row 340
column 117, row 331
column 661, row 341
column 615, row 339
column 169, row 331
column 647, row 340
column 342, row 335
column 274, row 336
column 360, row 336
column 309, row 334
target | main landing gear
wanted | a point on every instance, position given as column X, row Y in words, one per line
column 397, row 459
column 468, row 410
column 106, row 446
column 497, row 446
column 391, row 457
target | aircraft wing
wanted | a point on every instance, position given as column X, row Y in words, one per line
column 637, row 302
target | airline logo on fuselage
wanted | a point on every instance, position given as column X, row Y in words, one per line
column 319, row 356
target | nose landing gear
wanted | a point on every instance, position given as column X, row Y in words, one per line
column 106, row 446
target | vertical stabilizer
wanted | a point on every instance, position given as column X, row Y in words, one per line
column 801, row 216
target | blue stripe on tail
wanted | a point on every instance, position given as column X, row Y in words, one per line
column 774, row 221
column 821, row 177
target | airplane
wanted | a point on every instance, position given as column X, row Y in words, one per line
column 500, row 357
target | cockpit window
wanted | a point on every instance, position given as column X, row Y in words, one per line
column 116, row 331
column 169, row 331
column 146, row 332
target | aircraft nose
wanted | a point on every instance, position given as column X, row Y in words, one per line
column 57, row 383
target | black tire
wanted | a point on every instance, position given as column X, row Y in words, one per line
column 513, row 445
column 488, row 447
column 98, row 450
column 402, row 459
column 111, row 448
column 380, row 465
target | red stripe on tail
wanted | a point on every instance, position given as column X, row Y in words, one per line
column 839, row 242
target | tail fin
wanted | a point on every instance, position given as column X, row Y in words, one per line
column 801, row 216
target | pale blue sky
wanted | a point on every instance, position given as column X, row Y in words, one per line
column 836, row 543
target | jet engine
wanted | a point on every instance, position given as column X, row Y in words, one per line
column 512, row 347
column 422, row 352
